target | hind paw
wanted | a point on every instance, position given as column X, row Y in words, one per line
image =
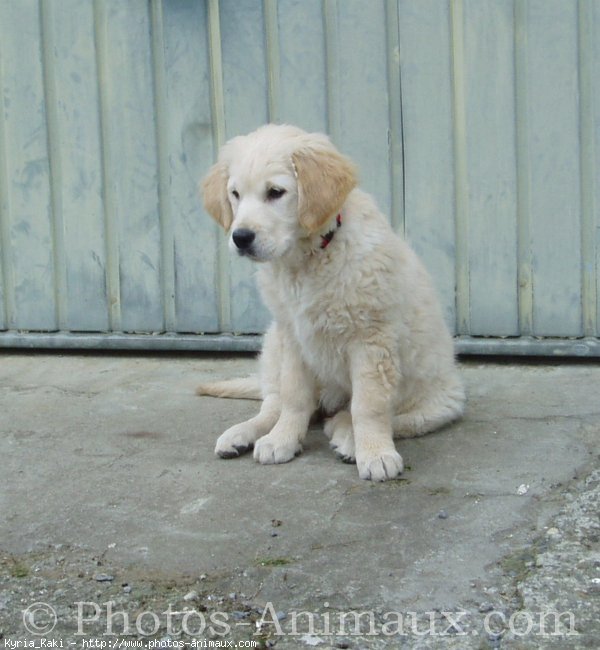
column 341, row 436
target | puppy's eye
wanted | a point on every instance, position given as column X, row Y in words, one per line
column 235, row 194
column 275, row 193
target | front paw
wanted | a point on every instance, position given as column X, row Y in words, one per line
column 379, row 465
column 272, row 449
column 236, row 441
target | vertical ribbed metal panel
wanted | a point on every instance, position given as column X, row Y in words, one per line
column 476, row 124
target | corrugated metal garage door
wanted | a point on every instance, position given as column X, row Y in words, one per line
column 476, row 123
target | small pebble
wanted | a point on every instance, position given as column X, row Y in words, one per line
column 232, row 596
column 280, row 616
column 127, row 589
column 203, row 576
column 103, row 577
column 238, row 615
column 485, row 607
column 191, row 595
column 274, row 534
column 442, row 514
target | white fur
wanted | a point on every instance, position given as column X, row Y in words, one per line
column 357, row 325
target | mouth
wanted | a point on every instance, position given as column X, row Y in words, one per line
column 244, row 252
column 250, row 253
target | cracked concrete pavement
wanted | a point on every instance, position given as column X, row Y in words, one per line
column 108, row 465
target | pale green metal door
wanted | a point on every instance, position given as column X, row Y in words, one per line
column 475, row 123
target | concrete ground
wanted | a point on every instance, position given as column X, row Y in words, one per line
column 116, row 516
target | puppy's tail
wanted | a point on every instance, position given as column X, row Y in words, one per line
column 244, row 388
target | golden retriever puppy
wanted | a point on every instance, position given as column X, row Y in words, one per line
column 357, row 328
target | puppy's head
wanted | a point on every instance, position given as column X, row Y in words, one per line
column 274, row 187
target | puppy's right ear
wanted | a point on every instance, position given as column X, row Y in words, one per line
column 325, row 178
column 214, row 191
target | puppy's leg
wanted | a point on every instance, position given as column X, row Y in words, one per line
column 298, row 402
column 374, row 379
column 241, row 438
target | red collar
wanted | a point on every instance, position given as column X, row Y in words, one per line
column 326, row 239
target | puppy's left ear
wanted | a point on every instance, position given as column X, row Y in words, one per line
column 214, row 191
column 325, row 178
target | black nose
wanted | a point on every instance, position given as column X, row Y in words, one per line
column 243, row 238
